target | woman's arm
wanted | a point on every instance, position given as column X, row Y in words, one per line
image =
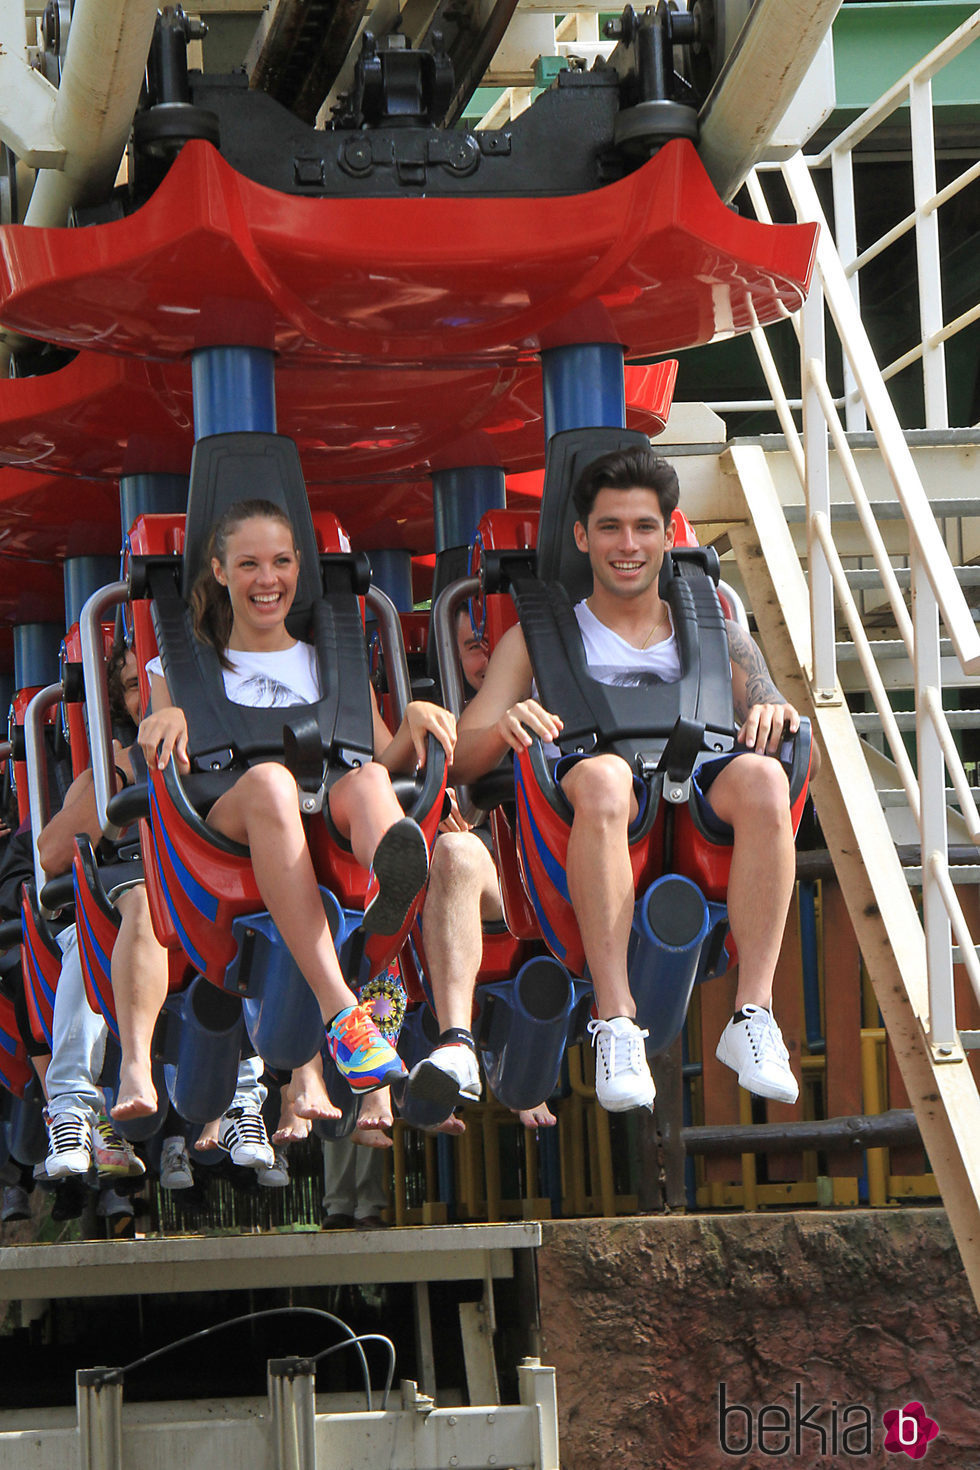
column 163, row 732
column 406, row 749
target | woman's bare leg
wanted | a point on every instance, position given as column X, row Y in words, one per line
column 140, row 973
column 362, row 807
column 261, row 810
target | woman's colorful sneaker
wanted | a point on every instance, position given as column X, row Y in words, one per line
column 360, row 1051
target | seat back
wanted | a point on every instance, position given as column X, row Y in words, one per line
column 633, row 721
column 227, row 468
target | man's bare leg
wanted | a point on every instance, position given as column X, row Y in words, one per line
column 140, row 972
column 600, row 885
column 600, row 878
column 752, row 796
column 463, row 891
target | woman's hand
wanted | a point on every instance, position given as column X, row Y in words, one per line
column 526, row 719
column 423, row 719
column 162, row 735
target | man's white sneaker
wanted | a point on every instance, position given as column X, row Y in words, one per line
column 242, row 1133
column 175, row 1164
column 622, row 1072
column 70, row 1137
column 752, row 1045
column 448, row 1076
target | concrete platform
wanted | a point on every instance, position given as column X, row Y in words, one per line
column 233, row 1262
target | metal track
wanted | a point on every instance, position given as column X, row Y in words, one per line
column 300, row 47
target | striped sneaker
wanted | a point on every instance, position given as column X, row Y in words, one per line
column 360, row 1051
column 70, row 1136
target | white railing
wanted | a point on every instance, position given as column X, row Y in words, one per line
column 913, row 90
column 935, row 590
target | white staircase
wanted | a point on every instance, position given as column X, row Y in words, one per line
column 871, row 598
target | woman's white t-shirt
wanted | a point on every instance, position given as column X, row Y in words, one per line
column 267, row 680
column 611, row 660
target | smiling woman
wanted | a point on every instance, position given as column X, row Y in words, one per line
column 240, row 603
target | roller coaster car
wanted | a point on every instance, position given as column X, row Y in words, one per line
column 15, row 1064
column 680, row 865
column 199, row 883
column 46, row 913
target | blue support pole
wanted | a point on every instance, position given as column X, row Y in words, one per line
column 583, row 387
column 391, row 570
column 37, row 647
column 150, row 494
column 459, row 499
column 234, row 390
column 83, row 576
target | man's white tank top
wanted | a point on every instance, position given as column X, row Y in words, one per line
column 612, row 660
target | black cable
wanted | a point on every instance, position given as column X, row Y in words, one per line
column 364, row 1337
column 114, row 1375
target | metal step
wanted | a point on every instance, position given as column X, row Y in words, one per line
column 895, row 667
column 889, row 510
column 895, row 797
column 885, row 649
column 867, row 581
column 962, row 873
column 958, row 719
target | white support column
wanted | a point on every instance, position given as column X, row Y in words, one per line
column 817, row 487
column 537, row 1385
column 927, row 254
column 99, row 1405
column 292, row 1409
column 932, row 815
column 845, row 233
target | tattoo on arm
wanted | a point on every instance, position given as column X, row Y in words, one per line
column 758, row 688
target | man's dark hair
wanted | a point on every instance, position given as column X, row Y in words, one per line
column 627, row 469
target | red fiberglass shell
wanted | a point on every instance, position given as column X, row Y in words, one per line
column 654, row 261
column 104, row 417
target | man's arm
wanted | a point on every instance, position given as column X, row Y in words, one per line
column 760, row 709
column 78, row 814
column 501, row 716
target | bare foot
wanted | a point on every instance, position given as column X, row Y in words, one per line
column 374, row 1120
column 209, row 1136
column 310, row 1098
column 371, row 1137
column 136, row 1096
column 540, row 1116
column 375, row 1110
column 291, row 1128
column 451, row 1125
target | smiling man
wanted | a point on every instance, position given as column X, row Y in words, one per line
column 624, row 502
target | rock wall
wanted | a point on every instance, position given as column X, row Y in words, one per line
column 760, row 1340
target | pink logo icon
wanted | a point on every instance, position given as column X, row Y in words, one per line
column 909, row 1430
